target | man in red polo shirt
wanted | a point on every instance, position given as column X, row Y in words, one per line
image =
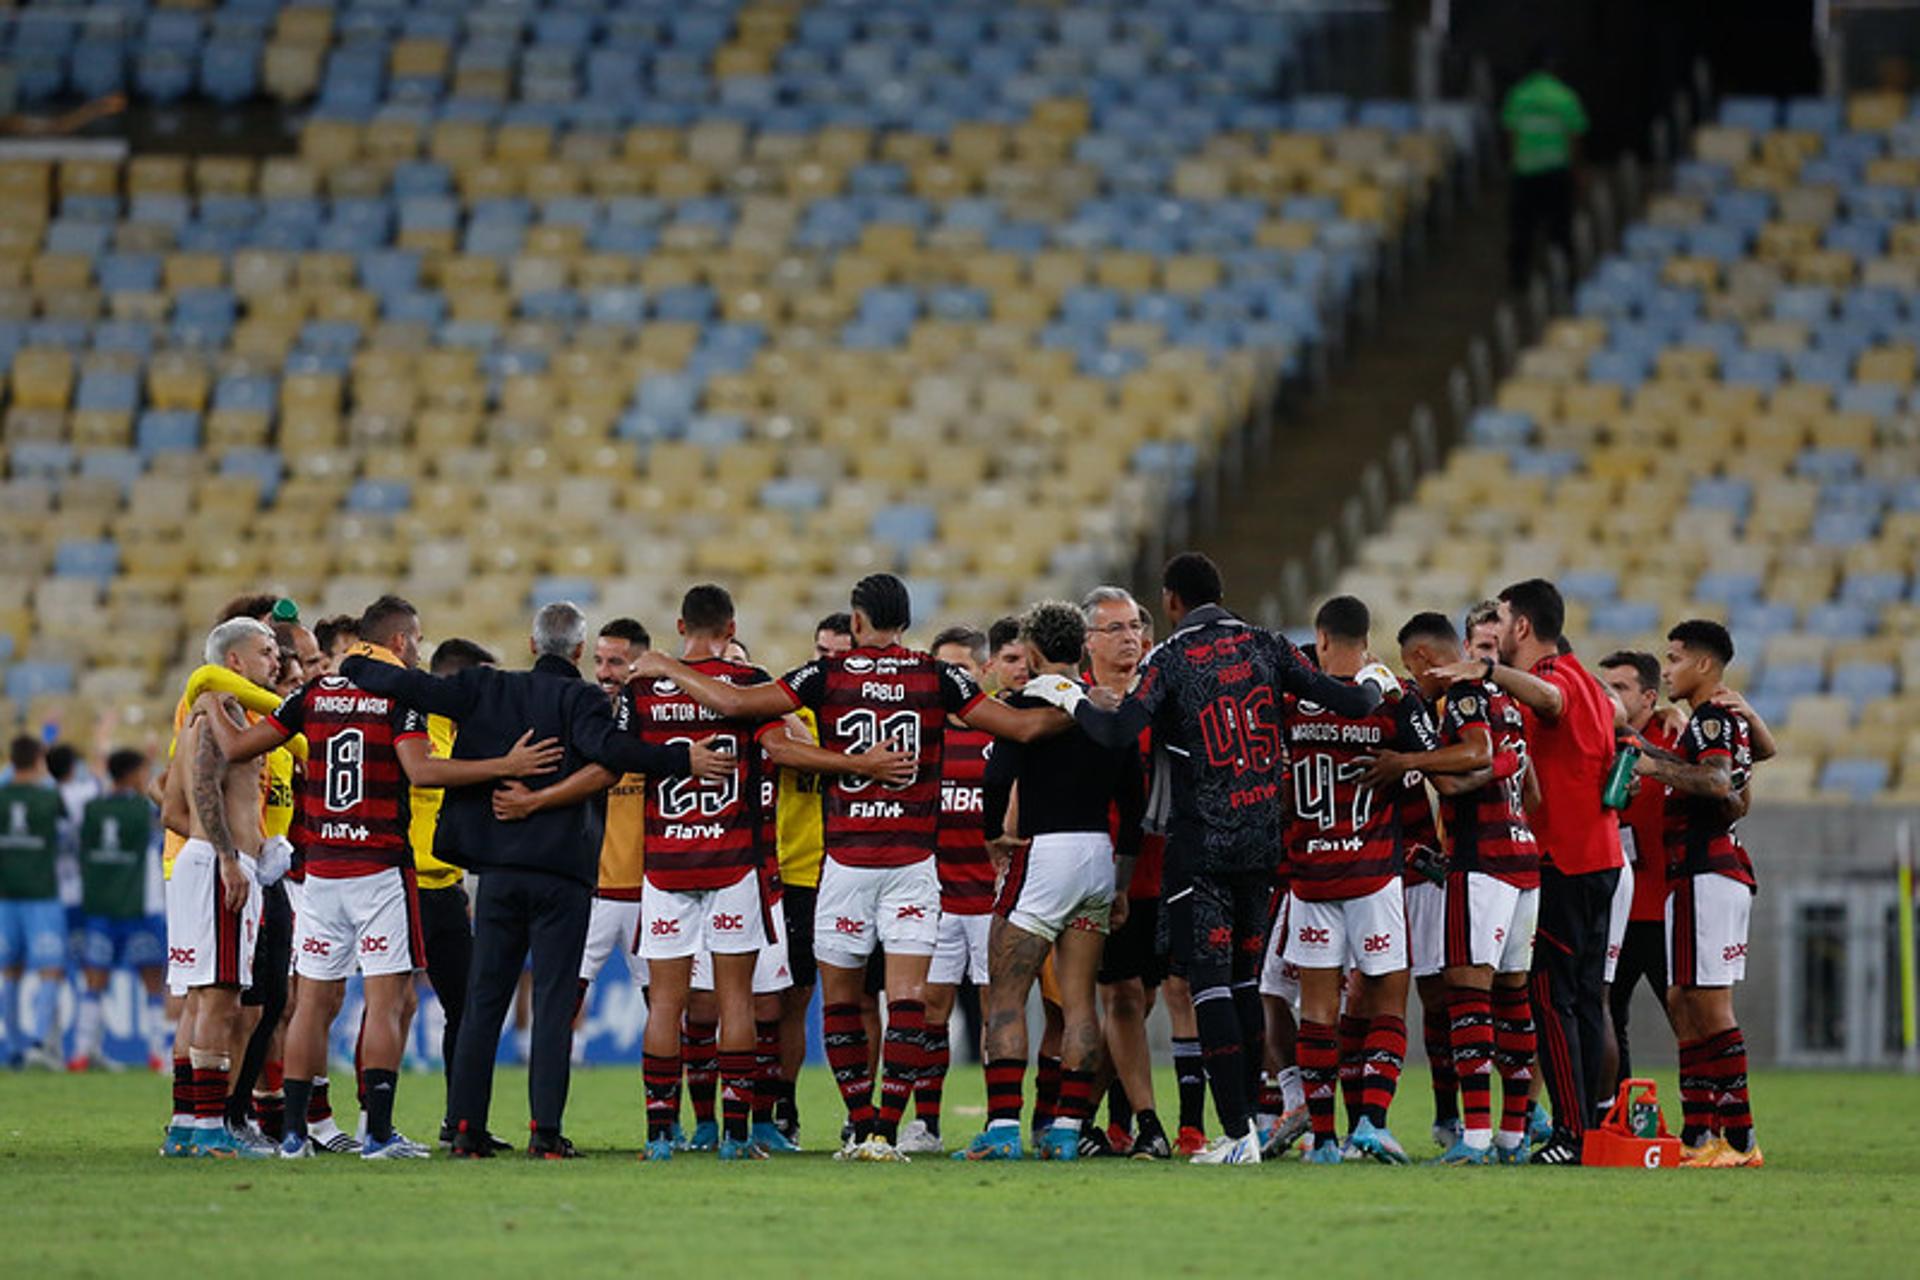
column 1569, row 725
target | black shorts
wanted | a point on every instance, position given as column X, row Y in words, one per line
column 797, row 905
column 1217, row 925
column 272, row 951
column 1133, row 950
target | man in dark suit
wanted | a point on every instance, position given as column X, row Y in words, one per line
column 536, row 877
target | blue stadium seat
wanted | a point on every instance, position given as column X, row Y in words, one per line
column 167, row 431
column 1859, row 779
column 29, row 680
column 93, row 558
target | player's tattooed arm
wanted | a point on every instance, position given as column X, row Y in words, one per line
column 1712, row 777
column 239, row 741
column 210, row 790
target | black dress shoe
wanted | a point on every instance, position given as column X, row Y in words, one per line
column 551, row 1146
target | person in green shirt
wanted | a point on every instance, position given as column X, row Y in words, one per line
column 116, row 840
column 1545, row 121
column 33, row 924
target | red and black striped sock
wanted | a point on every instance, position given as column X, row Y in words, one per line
column 1006, row 1089
column 938, row 1056
column 766, row 1069
column 1697, row 1098
column 846, row 1039
column 1513, row 1047
column 1046, row 1091
column 1436, row 1031
column 270, row 1111
column 319, row 1102
column 1473, row 1040
column 700, row 1049
column 1076, row 1099
column 1317, row 1050
column 1386, row 1052
column 183, row 1091
column 1727, row 1054
column 737, row 1072
column 1353, row 1066
column 660, row 1074
column 210, row 1092
column 902, row 1055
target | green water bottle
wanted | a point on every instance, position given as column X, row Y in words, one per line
column 1645, row 1118
column 1619, row 789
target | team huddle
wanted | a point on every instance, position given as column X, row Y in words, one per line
column 1275, row 842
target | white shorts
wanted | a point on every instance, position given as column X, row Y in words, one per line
column 1707, row 917
column 896, row 907
column 960, row 950
column 1278, row 977
column 1060, row 881
column 207, row 945
column 1368, row 934
column 676, row 924
column 372, row 921
column 1426, row 925
column 1617, row 918
column 771, row 973
column 610, row 929
column 1489, row 922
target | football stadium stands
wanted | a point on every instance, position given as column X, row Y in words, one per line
column 589, row 300
column 1726, row 427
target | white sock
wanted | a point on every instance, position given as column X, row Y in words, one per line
column 9, row 991
column 1292, row 1093
column 1478, row 1139
column 87, row 1028
column 1508, row 1141
column 46, row 1014
column 1061, row 1122
column 1002, row 1124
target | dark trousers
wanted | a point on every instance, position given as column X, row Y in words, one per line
column 1538, row 203
column 514, row 912
column 1569, row 1001
column 1643, row 957
column 272, row 952
column 449, row 944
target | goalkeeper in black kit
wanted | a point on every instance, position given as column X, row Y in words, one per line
column 1211, row 693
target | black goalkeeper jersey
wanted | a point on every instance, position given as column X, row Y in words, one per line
column 1211, row 692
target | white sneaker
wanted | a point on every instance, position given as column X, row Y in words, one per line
column 875, row 1150
column 1244, row 1149
column 919, row 1140
column 329, row 1136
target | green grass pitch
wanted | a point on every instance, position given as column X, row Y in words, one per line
column 82, row 1192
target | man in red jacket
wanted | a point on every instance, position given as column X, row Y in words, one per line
column 1569, row 726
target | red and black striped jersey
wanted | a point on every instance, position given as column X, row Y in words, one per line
column 894, row 696
column 351, row 813
column 1487, row 827
column 1700, row 839
column 702, row 833
column 1345, row 840
column 1417, row 825
column 966, row 873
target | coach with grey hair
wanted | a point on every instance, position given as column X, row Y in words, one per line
column 536, row 877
